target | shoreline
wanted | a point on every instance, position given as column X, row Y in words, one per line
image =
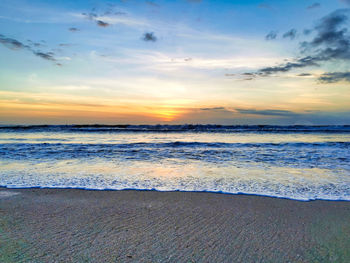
column 74, row 225
column 172, row 191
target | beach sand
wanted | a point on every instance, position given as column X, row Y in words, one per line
column 66, row 225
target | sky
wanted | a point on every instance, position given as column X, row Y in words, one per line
column 173, row 62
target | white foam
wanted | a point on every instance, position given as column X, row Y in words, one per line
column 4, row 193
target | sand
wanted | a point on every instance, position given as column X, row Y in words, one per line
column 66, row 225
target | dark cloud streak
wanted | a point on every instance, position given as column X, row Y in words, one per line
column 334, row 77
column 102, row 24
column 17, row 45
column 73, row 29
column 314, row 6
column 331, row 43
column 271, row 36
column 213, row 109
column 304, row 75
column 291, row 34
column 94, row 17
column 47, row 56
column 268, row 112
column 12, row 43
column 299, row 63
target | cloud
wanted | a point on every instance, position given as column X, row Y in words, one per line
column 304, row 75
column 213, row 109
column 153, row 4
column 271, row 36
column 334, row 77
column 112, row 18
column 95, row 17
column 299, row 63
column 73, row 29
column 314, row 6
column 149, row 36
column 332, row 40
column 345, row 1
column 102, row 24
column 90, row 16
column 35, row 44
column 16, row 45
column 290, row 34
column 246, row 75
column 331, row 43
column 12, row 43
column 47, row 56
column 268, row 112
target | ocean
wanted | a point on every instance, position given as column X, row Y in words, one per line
column 295, row 162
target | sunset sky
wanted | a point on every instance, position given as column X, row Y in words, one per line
column 148, row 62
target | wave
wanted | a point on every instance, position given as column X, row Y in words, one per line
column 178, row 128
column 178, row 144
column 328, row 155
column 297, row 166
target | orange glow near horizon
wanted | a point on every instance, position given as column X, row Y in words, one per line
column 32, row 112
column 56, row 108
column 166, row 114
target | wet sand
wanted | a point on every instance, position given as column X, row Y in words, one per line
column 66, row 225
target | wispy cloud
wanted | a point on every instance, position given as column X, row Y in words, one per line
column 124, row 20
column 96, row 18
column 334, row 77
column 314, row 6
column 213, row 109
column 47, row 56
column 291, row 34
column 165, row 62
column 152, row 4
column 112, row 17
column 268, row 112
column 271, row 36
column 35, row 44
column 12, row 43
column 101, row 23
column 332, row 42
column 17, row 45
column 73, row 29
column 299, row 63
column 304, row 75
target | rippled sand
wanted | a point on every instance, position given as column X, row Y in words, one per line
column 63, row 225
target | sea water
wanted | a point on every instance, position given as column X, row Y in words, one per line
column 296, row 162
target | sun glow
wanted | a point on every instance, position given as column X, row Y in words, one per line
column 167, row 114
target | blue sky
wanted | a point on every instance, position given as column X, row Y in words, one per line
column 228, row 62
